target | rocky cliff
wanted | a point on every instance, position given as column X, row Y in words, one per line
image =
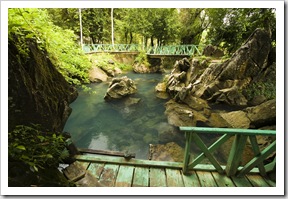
column 37, row 92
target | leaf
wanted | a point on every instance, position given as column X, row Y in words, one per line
column 21, row 147
column 49, row 156
column 33, row 168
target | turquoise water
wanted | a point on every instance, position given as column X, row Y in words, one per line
column 97, row 124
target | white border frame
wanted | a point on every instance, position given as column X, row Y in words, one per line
column 278, row 190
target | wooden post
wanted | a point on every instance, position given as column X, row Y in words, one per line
column 235, row 155
column 188, row 136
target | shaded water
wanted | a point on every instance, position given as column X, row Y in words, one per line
column 101, row 125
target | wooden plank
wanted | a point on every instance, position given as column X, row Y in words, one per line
column 157, row 177
column 206, row 179
column 96, row 169
column 174, row 178
column 232, row 131
column 121, row 160
column 125, row 176
column 191, row 179
column 241, row 181
column 75, row 171
column 88, row 181
column 141, row 177
column 104, row 152
column 108, row 175
column 222, row 180
column 257, row 180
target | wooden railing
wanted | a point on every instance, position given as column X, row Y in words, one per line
column 151, row 50
column 233, row 167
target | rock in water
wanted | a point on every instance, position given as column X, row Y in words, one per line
column 120, row 87
column 97, row 75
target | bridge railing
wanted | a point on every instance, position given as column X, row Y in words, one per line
column 111, row 48
column 174, row 50
column 236, row 152
column 154, row 50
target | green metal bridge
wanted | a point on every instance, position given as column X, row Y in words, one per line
column 151, row 50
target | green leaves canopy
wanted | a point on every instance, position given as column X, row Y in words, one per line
column 60, row 44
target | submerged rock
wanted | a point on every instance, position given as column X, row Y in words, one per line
column 120, row 87
column 167, row 152
column 168, row 133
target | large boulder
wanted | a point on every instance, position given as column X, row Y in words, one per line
column 236, row 119
column 142, row 68
column 120, row 87
column 263, row 114
column 220, row 82
column 37, row 92
column 212, row 51
column 183, row 115
column 97, row 75
column 160, row 90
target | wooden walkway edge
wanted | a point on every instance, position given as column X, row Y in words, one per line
column 111, row 171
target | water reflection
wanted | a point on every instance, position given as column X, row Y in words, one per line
column 120, row 125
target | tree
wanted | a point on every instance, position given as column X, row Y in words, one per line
column 66, row 55
column 193, row 23
column 231, row 27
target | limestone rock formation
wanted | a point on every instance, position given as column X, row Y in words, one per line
column 142, row 68
column 263, row 114
column 120, row 87
column 97, row 75
column 212, row 51
column 223, row 82
column 37, row 92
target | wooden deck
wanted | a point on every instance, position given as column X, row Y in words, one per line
column 108, row 171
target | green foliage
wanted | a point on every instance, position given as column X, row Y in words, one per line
column 142, row 59
column 60, row 44
column 103, row 60
column 36, row 148
column 193, row 23
column 232, row 26
column 266, row 89
column 96, row 24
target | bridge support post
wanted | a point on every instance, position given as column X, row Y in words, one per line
column 188, row 136
column 235, row 155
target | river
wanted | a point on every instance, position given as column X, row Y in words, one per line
column 97, row 124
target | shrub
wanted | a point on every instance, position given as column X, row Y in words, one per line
column 36, row 148
column 64, row 52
